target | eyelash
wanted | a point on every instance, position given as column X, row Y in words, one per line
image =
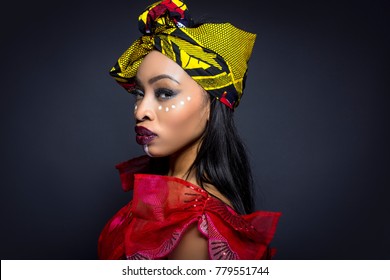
column 164, row 92
column 136, row 92
column 160, row 93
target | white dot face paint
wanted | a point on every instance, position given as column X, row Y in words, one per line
column 146, row 149
column 171, row 105
column 174, row 106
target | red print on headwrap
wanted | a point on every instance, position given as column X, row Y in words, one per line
column 175, row 13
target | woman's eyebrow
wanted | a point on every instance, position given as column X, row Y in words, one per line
column 162, row 76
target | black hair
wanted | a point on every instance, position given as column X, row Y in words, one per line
column 222, row 160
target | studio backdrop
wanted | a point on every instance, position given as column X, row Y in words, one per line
column 313, row 117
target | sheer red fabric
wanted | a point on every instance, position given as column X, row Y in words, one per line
column 163, row 207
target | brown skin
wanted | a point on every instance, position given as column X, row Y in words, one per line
column 192, row 246
column 172, row 105
column 179, row 129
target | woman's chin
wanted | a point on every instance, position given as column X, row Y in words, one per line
column 150, row 151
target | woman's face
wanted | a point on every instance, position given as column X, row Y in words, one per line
column 171, row 109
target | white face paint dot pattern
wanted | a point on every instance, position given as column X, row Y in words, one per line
column 182, row 102
column 146, row 149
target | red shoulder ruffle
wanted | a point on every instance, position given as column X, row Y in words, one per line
column 164, row 207
column 127, row 169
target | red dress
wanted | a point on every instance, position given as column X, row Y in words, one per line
column 163, row 207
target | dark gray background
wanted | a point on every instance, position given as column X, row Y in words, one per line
column 314, row 117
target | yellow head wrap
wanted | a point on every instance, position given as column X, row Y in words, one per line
column 215, row 55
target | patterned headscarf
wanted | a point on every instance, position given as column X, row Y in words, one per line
column 215, row 55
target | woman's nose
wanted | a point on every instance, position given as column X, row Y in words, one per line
column 145, row 109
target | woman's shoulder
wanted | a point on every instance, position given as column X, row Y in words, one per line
column 173, row 205
column 178, row 212
column 168, row 216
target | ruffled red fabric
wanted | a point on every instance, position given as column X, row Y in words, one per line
column 163, row 207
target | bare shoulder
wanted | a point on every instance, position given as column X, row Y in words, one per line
column 214, row 192
column 192, row 246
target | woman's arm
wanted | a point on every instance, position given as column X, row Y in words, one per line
column 192, row 246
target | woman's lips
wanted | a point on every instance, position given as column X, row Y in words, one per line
column 144, row 136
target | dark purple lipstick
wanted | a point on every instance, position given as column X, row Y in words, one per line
column 144, row 136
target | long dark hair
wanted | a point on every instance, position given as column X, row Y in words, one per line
column 222, row 160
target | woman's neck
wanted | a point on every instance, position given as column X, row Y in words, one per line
column 181, row 162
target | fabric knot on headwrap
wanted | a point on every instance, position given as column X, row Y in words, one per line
column 163, row 15
column 215, row 55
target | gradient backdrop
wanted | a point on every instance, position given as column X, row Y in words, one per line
column 314, row 118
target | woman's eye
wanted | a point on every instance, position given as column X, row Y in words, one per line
column 165, row 94
column 137, row 93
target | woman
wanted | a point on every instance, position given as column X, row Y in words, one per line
column 192, row 196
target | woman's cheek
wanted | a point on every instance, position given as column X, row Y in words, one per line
column 174, row 105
